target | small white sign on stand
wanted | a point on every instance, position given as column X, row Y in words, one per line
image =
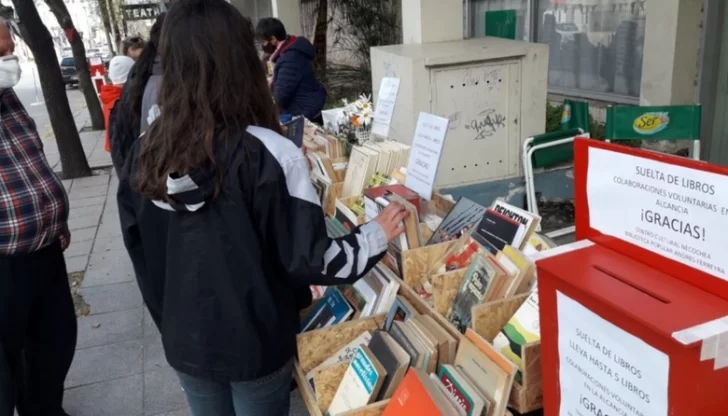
column 425, row 154
column 384, row 107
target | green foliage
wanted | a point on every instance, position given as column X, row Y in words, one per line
column 364, row 24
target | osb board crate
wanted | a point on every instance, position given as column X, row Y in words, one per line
column 348, row 202
column 418, row 263
column 488, row 319
column 314, row 347
column 334, row 193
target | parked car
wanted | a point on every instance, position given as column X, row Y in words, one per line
column 69, row 72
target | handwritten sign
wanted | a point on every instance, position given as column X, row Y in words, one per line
column 604, row 370
column 384, row 110
column 677, row 212
column 425, row 154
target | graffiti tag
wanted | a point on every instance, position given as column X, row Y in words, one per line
column 486, row 124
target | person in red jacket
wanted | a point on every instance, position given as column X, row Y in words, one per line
column 119, row 69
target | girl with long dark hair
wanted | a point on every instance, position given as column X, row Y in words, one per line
column 129, row 118
column 245, row 235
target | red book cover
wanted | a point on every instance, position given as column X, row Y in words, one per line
column 411, row 398
column 411, row 196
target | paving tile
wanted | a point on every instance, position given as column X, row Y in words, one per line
column 78, row 248
column 108, row 268
column 162, row 392
column 110, row 218
column 97, row 180
column 88, row 192
column 109, row 229
column 108, row 244
column 298, row 406
column 112, row 298
column 87, row 211
column 154, row 358
column 85, row 202
column 108, row 362
column 83, row 222
column 181, row 412
column 150, row 329
column 109, row 328
column 76, row 264
column 67, row 184
column 120, row 397
column 83, row 234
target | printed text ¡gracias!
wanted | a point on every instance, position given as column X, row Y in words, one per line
column 690, row 184
column 674, row 224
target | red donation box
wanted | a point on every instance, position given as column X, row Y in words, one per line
column 634, row 316
column 98, row 71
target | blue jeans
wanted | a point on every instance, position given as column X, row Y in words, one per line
column 268, row 396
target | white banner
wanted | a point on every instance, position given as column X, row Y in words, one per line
column 674, row 211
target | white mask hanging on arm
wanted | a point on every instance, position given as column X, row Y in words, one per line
column 9, row 72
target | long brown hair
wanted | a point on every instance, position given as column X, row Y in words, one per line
column 212, row 83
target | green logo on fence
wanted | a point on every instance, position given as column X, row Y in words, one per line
column 651, row 123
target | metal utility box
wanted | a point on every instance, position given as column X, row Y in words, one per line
column 492, row 90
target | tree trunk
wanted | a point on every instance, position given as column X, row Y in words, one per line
column 59, row 9
column 104, row 12
column 36, row 35
column 320, row 35
column 115, row 24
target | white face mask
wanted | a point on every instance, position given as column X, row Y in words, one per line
column 9, row 71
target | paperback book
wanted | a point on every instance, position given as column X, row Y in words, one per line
column 523, row 328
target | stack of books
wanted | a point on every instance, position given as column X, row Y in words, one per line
column 373, row 294
column 423, row 369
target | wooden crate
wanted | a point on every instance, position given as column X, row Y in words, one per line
column 314, row 347
column 334, row 193
column 487, row 319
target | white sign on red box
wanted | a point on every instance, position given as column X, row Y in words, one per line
column 384, row 108
column 677, row 212
column 425, row 154
column 604, row 370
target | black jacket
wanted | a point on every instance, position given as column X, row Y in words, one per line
column 295, row 87
column 233, row 264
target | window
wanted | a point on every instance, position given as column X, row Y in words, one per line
column 476, row 10
column 595, row 45
column 68, row 62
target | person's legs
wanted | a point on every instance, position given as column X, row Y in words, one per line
column 268, row 396
column 7, row 386
column 16, row 299
column 51, row 336
column 207, row 398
